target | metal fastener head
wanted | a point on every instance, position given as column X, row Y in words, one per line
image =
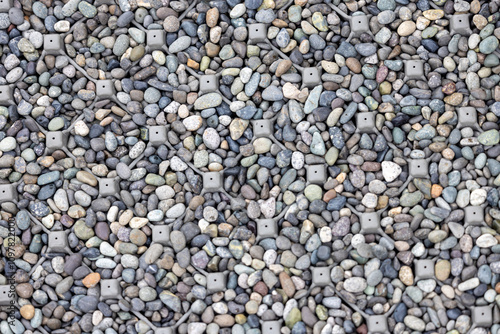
column 155, row 39
column 157, row 135
column 365, row 122
column 257, row 33
column 311, row 76
column 212, row 181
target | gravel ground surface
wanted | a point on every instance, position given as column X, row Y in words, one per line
column 249, row 166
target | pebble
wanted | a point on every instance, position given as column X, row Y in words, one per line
column 266, row 179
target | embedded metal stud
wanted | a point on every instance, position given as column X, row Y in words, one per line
column 424, row 269
column 459, row 24
column 53, row 44
column 8, row 193
column 370, row 223
column 321, row 276
column 267, row 228
column 212, row 181
column 377, row 324
column 105, row 89
column 4, row 295
column 155, row 39
column 157, row 135
column 55, row 140
column 216, row 282
column 414, row 69
column 58, row 242
column 5, row 95
column 271, row 327
column 5, row 5
column 161, row 234
column 257, row 33
column 419, row 168
column 262, row 128
column 474, row 215
column 316, row 174
column 365, row 122
column 208, row 84
column 359, row 24
column 482, row 316
column 110, row 289
column 109, row 187
column 311, row 76
column 467, row 117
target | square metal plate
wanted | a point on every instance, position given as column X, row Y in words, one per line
column 359, row 24
column 474, row 215
column 262, row 128
column 5, row 95
column 109, row 187
column 212, row 181
column 257, row 33
column 161, row 234
column 4, row 295
column 53, row 44
column 157, row 135
column 467, row 117
column 56, row 140
column 216, row 282
column 365, row 122
column 316, row 174
column 321, row 276
column 414, row 69
column 58, row 242
column 271, row 327
column 208, row 84
column 155, row 39
column 5, row 5
column 377, row 324
column 105, row 89
column 419, row 168
column 267, row 228
column 459, row 24
column 370, row 222
column 482, row 316
column 424, row 269
column 8, row 193
column 110, row 289
column 311, row 76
